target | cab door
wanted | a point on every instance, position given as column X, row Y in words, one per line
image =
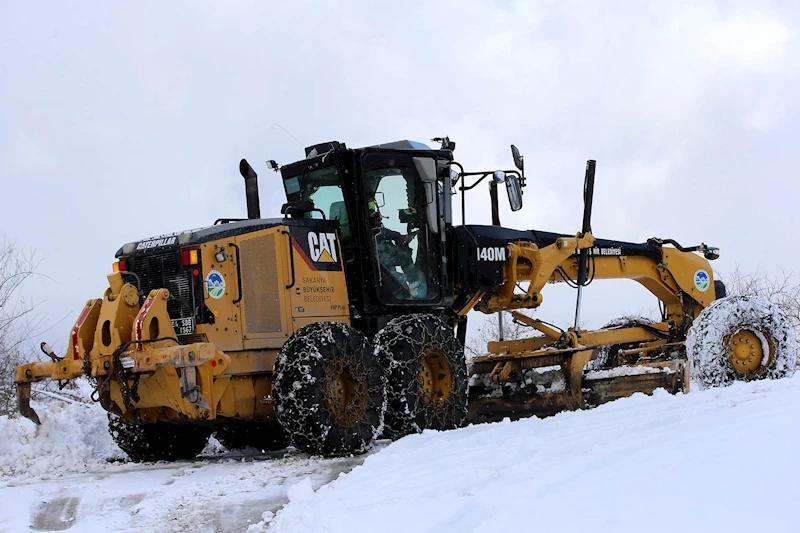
column 405, row 230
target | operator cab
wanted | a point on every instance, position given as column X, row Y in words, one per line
column 392, row 203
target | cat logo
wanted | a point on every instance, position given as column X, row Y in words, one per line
column 322, row 247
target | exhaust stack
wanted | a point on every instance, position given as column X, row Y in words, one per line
column 250, row 189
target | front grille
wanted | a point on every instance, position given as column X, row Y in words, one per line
column 262, row 304
column 163, row 270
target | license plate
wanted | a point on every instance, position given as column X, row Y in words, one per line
column 183, row 326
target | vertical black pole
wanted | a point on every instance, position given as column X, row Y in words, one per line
column 588, row 194
column 495, row 203
column 583, row 258
column 463, row 204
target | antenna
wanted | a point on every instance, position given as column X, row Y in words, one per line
column 289, row 134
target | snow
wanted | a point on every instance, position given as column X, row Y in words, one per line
column 67, row 441
column 546, row 379
column 67, row 474
column 691, row 462
column 620, row 371
column 663, row 463
column 765, row 348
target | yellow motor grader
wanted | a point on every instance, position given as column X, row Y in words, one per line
column 345, row 319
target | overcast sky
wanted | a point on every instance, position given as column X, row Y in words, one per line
column 125, row 121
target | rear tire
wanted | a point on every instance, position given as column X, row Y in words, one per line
column 159, row 441
column 426, row 375
column 329, row 391
column 740, row 338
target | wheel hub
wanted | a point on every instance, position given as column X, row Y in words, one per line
column 346, row 392
column 745, row 351
column 435, row 378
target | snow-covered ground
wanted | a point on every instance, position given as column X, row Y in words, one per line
column 721, row 459
column 716, row 460
column 67, row 474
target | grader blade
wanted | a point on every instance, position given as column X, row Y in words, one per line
column 607, row 385
column 599, row 387
column 24, row 403
column 525, row 377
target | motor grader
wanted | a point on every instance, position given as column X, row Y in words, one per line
column 345, row 319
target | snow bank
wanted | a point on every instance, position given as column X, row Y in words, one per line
column 72, row 437
column 692, row 462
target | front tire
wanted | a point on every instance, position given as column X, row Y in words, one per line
column 329, row 391
column 426, row 375
column 159, row 441
column 740, row 338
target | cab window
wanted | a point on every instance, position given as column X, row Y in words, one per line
column 323, row 187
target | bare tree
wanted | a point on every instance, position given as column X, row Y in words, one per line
column 781, row 289
column 18, row 320
column 512, row 330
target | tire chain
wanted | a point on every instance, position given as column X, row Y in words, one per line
column 601, row 356
column 706, row 342
column 299, row 388
column 408, row 411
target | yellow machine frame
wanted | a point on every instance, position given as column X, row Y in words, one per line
column 671, row 280
column 115, row 337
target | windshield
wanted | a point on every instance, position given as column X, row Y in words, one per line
column 322, row 186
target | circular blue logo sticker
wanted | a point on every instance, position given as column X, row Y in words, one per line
column 215, row 284
column 702, row 280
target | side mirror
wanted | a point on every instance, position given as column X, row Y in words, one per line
column 514, row 192
column 499, row 176
column 517, row 158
